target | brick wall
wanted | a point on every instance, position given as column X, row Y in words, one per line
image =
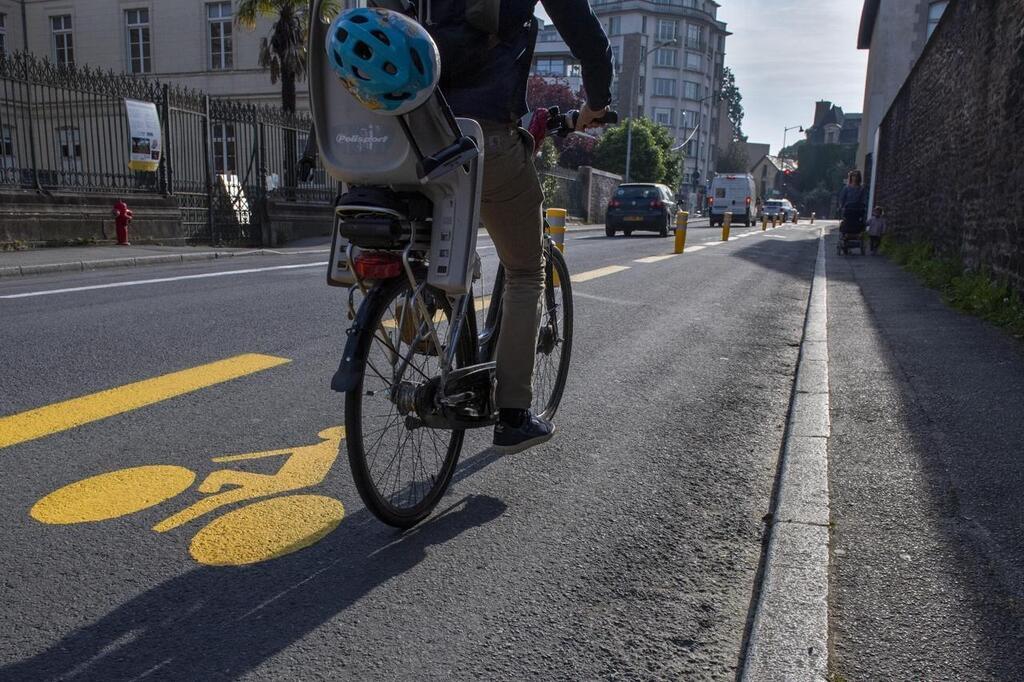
column 951, row 154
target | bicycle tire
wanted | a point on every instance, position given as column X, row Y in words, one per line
column 381, row 503
column 549, row 380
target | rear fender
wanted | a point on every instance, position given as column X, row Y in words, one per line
column 350, row 369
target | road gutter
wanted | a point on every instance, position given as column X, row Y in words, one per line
column 788, row 638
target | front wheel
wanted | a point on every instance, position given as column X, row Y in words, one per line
column 609, row 231
column 400, row 466
column 554, row 342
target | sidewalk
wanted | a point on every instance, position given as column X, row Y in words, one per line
column 78, row 258
column 927, row 481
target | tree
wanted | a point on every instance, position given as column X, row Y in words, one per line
column 577, row 151
column 793, row 150
column 652, row 160
column 283, row 52
column 734, row 102
column 735, row 159
column 544, row 92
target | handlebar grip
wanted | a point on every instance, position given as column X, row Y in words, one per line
column 609, row 118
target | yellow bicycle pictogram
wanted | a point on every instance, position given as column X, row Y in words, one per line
column 283, row 522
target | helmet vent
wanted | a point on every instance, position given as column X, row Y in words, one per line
column 359, row 74
column 358, row 19
column 416, row 61
column 381, row 36
column 363, row 50
column 341, row 35
column 390, row 68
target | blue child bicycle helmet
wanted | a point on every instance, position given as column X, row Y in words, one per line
column 387, row 61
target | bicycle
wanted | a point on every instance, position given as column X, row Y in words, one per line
column 423, row 373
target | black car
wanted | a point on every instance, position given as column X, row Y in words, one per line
column 640, row 206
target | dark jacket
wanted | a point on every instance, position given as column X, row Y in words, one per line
column 497, row 90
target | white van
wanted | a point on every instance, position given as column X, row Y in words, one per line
column 732, row 192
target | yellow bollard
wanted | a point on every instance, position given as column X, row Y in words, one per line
column 796, row 218
column 681, row 220
column 775, row 221
column 556, row 228
column 812, row 218
column 764, row 223
column 726, row 225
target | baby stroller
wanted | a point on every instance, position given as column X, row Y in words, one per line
column 851, row 231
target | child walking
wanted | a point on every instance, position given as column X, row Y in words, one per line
column 876, row 228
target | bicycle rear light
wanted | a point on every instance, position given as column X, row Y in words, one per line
column 378, row 265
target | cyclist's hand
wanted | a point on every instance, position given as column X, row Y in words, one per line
column 590, row 118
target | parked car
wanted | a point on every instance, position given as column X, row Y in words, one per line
column 782, row 208
column 732, row 192
column 640, row 206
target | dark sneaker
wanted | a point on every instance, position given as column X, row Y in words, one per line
column 532, row 430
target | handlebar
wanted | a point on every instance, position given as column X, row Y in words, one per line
column 563, row 124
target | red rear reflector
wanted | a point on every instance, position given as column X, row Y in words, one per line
column 615, row 203
column 378, row 265
column 730, row 177
column 656, row 204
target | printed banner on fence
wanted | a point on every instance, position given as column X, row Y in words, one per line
column 144, row 135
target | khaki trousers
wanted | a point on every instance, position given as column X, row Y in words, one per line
column 511, row 209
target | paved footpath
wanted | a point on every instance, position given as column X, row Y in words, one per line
column 926, row 479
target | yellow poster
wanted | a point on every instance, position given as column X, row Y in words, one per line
column 144, row 135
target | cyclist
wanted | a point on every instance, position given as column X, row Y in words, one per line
column 484, row 77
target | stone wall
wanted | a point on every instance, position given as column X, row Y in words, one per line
column 951, row 153
column 598, row 187
column 36, row 219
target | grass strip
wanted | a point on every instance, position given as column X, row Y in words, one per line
column 973, row 292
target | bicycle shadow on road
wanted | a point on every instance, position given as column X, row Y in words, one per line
column 219, row 623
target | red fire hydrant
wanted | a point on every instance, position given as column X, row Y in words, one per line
column 122, row 216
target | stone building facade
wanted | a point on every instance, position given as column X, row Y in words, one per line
column 949, row 168
column 677, row 85
column 195, row 43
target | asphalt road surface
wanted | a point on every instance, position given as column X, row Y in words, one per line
column 628, row 547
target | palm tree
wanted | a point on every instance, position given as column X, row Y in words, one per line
column 283, row 52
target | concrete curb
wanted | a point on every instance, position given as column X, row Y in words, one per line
column 789, row 636
column 135, row 261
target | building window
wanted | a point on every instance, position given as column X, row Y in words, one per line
column 690, row 118
column 575, row 71
column 935, row 12
column 668, row 29
column 664, row 87
column 224, row 148
column 614, row 26
column 63, row 43
column 550, row 67
column 218, row 15
column 663, row 116
column 666, row 57
column 69, row 147
column 616, row 58
column 136, row 23
column 691, row 90
column 3, row 33
column 695, row 37
column 694, row 61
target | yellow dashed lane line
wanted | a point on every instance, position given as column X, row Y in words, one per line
column 50, row 419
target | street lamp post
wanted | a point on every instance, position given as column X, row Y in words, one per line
column 785, row 132
column 633, row 94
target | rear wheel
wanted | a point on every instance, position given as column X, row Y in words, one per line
column 628, row 233
column 609, row 231
column 554, row 342
column 664, row 228
column 401, row 468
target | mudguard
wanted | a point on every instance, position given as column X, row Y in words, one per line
column 350, row 369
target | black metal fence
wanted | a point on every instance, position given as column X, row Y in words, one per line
column 66, row 130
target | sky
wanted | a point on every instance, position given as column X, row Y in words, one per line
column 788, row 54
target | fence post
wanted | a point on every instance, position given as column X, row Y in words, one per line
column 168, row 165
column 208, row 153
column 31, row 122
column 262, row 208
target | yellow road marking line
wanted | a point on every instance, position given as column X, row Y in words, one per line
column 50, row 419
column 655, row 259
column 600, row 272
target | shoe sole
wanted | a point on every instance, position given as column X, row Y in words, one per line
column 525, row 445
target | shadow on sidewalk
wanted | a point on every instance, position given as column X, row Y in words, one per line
column 954, row 434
